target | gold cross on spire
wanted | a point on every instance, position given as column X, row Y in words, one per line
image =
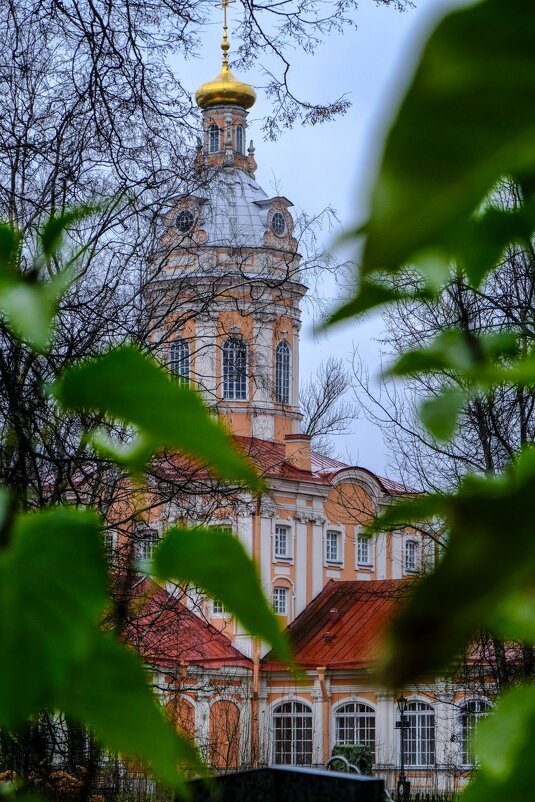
column 225, row 43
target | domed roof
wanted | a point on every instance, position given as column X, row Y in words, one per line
column 234, row 214
column 225, row 90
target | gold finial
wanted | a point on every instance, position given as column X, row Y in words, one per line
column 225, row 46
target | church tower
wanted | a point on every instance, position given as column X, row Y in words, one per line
column 229, row 287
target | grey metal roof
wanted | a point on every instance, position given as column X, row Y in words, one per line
column 236, row 210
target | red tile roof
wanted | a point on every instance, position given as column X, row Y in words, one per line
column 344, row 625
column 269, row 458
column 167, row 634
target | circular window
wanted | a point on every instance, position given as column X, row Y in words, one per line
column 185, row 221
column 278, row 224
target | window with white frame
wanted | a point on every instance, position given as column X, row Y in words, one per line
column 364, row 550
column 412, row 557
column 179, row 360
column 240, row 140
column 291, row 724
column 280, row 600
column 355, row 724
column 214, row 135
column 235, row 369
column 282, row 542
column 218, row 608
column 333, row 546
column 419, row 734
column 471, row 712
column 282, row 373
column 146, row 542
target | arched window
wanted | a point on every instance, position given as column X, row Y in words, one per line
column 355, row 724
column 235, row 369
column 240, row 144
column 292, row 734
column 213, row 138
column 224, row 735
column 471, row 711
column 179, row 360
column 182, row 715
column 282, row 373
column 280, row 600
column 419, row 734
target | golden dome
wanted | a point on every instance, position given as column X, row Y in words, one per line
column 225, row 90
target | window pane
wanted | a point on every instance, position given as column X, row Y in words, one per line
column 333, row 547
column 419, row 735
column 282, row 373
column 292, row 734
column 213, row 139
column 281, row 542
column 235, row 370
column 363, row 550
column 179, row 360
column 280, row 601
column 355, row 724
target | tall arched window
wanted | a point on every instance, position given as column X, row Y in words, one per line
column 240, row 143
column 213, row 138
column 292, row 734
column 471, row 711
column 179, row 360
column 419, row 734
column 355, row 724
column 235, row 369
column 282, row 373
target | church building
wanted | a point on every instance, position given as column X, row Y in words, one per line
column 229, row 256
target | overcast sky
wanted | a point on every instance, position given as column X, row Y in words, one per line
column 333, row 164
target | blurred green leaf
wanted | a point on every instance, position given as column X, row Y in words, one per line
column 483, row 240
column 109, row 693
column 131, row 387
column 514, row 617
column 51, row 233
column 10, row 242
column 408, row 512
column 466, row 121
column 52, row 592
column 370, row 296
column 455, row 351
column 470, row 576
column 30, row 308
column 439, row 415
column 216, row 561
column 504, row 747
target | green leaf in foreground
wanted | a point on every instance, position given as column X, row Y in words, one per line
column 52, row 593
column 109, row 693
column 216, row 561
column 470, row 577
column 439, row 415
column 131, row 387
column 471, row 102
column 504, row 747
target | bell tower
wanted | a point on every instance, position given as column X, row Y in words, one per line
column 232, row 269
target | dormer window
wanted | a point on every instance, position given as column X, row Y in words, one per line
column 240, row 139
column 185, row 221
column 214, row 135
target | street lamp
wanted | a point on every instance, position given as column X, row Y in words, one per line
column 403, row 786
